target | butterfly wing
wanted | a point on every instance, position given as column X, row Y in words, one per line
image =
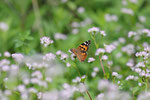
column 80, row 52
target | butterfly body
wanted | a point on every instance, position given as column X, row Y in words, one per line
column 81, row 51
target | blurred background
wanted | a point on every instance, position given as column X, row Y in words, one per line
column 66, row 22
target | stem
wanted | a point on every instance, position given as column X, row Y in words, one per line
column 83, row 82
column 101, row 63
column 87, row 92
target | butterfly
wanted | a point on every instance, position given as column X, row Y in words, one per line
column 81, row 51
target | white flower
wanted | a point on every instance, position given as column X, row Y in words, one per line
column 7, row 54
column 131, row 33
column 122, row 40
column 104, row 57
column 46, row 41
column 96, row 69
column 115, row 74
column 75, row 24
column 32, row 90
column 75, row 31
column 103, row 33
column 3, row 26
column 18, row 57
column 142, row 18
column 109, row 48
column 134, row 1
column 127, row 11
column 49, row 56
column 59, row 36
column 99, row 50
column 68, row 64
column 91, row 59
column 110, row 18
column 93, row 74
column 21, row 88
column 48, row 79
column 81, row 10
column 94, row 29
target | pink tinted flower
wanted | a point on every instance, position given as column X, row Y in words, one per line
column 99, row 50
column 91, row 59
column 109, row 48
column 59, row 36
column 93, row 29
column 46, row 41
column 49, row 56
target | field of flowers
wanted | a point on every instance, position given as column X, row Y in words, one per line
column 38, row 62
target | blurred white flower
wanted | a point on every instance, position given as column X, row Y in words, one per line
column 99, row 50
column 110, row 18
column 68, row 64
column 49, row 57
column 93, row 30
column 37, row 74
column 103, row 33
column 3, row 26
column 96, row 69
column 115, row 74
column 63, row 55
column 7, row 54
column 91, row 59
column 124, row 2
column 93, row 74
column 81, row 10
column 134, row 1
column 32, row 90
column 46, row 41
column 48, row 79
column 142, row 18
column 127, row 11
column 144, row 96
column 21, row 88
column 18, row 57
column 100, row 96
column 109, row 48
column 59, row 36
column 75, row 31
column 131, row 33
column 122, row 40
column 129, row 49
column 75, row 24
column 104, row 57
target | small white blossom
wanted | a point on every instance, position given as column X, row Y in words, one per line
column 18, row 57
column 7, row 54
column 3, row 26
column 115, row 74
column 94, row 29
column 46, row 41
column 104, row 57
column 49, row 56
column 127, row 11
column 59, row 36
column 81, row 10
column 96, row 69
column 109, row 48
column 131, row 33
column 103, row 33
column 99, row 50
column 68, row 64
column 91, row 59
column 93, row 74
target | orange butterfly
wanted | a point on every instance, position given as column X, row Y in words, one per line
column 80, row 52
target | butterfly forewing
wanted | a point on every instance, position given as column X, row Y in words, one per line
column 80, row 52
